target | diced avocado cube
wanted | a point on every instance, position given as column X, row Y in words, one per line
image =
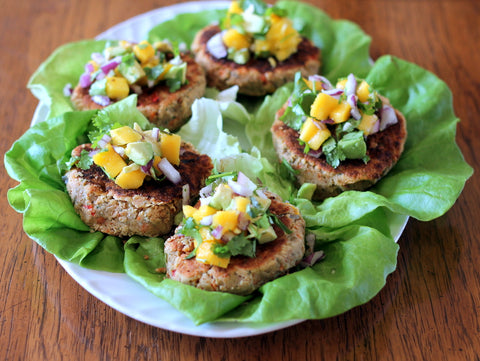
column 139, row 152
column 353, row 145
column 266, row 235
column 131, row 69
column 98, row 87
column 222, row 197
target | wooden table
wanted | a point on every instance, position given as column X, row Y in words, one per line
column 430, row 307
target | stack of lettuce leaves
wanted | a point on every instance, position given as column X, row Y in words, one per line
column 353, row 229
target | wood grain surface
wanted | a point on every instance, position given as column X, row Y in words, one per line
column 430, row 306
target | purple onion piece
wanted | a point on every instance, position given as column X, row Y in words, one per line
column 350, row 85
column 89, row 68
column 387, row 117
column 217, row 232
column 326, row 85
column 85, row 80
column 352, row 101
column 315, row 153
column 207, row 221
column 147, row 167
column 169, row 171
column 313, row 258
column 206, row 191
column 156, row 133
column 102, row 100
column 216, row 47
column 336, row 93
column 67, row 90
column 111, row 65
column 98, row 58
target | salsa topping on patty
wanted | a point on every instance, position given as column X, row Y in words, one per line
column 130, row 155
column 230, row 219
column 253, row 28
column 336, row 120
column 124, row 68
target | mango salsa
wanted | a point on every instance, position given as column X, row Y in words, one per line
column 323, row 106
column 110, row 161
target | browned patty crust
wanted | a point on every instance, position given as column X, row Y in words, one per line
column 257, row 77
column 384, row 149
column 158, row 104
column 147, row 211
column 243, row 274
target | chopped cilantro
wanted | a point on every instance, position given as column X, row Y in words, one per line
column 84, row 161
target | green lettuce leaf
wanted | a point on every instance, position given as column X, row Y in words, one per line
column 352, row 228
column 64, row 66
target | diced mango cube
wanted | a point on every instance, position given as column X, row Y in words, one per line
column 241, row 203
column 341, row 112
column 363, row 91
column 144, row 51
column 117, row 87
column 367, row 124
column 323, row 106
column 202, row 212
column 233, row 39
column 341, row 84
column 170, row 147
column 310, row 83
column 261, row 46
column 131, row 177
column 206, row 234
column 228, row 220
column 282, row 37
column 205, row 254
column 319, row 138
column 188, row 211
column 124, row 135
column 110, row 161
column 309, row 128
column 235, row 8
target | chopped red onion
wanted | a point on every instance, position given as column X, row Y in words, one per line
column 93, row 152
column 315, row 153
column 147, row 167
column 217, row 232
column 352, row 101
column 100, row 75
column 207, row 221
column 243, row 221
column 102, row 100
column 156, row 133
column 89, row 68
column 98, row 58
column 206, row 191
column 326, row 85
column 227, row 237
column 85, row 80
column 328, row 121
column 216, row 47
column 350, row 85
column 67, row 90
column 102, row 143
column 120, row 150
column 387, row 117
column 186, row 194
column 261, row 194
column 111, row 65
column 334, row 93
column 243, row 186
column 169, row 171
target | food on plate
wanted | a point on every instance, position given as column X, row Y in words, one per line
column 167, row 82
column 134, row 182
column 255, row 47
column 342, row 137
column 237, row 237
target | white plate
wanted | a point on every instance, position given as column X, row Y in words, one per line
column 120, row 291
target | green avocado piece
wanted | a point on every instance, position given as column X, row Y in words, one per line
column 353, row 145
column 221, row 198
column 139, row 152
